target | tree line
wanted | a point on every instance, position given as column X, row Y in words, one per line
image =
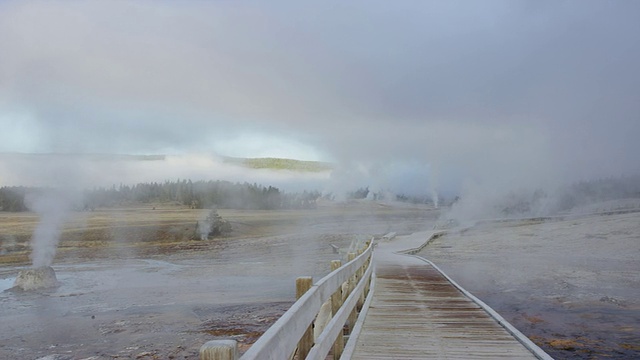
column 198, row 195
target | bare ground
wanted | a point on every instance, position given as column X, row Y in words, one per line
column 136, row 285
column 571, row 285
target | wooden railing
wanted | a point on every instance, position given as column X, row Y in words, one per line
column 343, row 291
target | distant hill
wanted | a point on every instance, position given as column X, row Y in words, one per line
column 251, row 163
column 268, row 163
column 280, row 164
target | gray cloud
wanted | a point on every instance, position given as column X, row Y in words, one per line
column 498, row 91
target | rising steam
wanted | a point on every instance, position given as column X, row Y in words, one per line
column 54, row 208
column 204, row 225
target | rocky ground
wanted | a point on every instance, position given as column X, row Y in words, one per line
column 571, row 284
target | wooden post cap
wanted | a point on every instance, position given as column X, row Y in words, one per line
column 219, row 350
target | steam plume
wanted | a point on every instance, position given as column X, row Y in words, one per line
column 54, row 209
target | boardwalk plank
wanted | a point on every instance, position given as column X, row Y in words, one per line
column 416, row 314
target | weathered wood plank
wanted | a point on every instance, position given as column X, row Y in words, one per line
column 416, row 313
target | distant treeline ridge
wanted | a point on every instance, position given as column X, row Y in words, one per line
column 198, row 194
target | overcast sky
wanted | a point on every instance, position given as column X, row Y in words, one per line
column 501, row 91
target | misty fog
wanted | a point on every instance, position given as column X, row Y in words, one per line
column 490, row 97
column 422, row 113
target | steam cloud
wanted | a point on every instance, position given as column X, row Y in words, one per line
column 54, row 209
column 501, row 95
column 204, row 226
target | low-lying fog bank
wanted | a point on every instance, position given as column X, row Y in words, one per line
column 572, row 285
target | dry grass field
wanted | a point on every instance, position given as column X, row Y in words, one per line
column 157, row 229
column 87, row 234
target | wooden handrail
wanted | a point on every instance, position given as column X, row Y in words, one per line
column 334, row 327
column 281, row 339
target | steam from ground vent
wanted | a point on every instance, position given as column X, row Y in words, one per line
column 607, row 195
column 54, row 208
column 204, row 226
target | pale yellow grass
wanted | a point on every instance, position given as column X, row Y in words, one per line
column 162, row 228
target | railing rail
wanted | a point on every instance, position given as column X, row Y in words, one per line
column 333, row 329
column 281, row 340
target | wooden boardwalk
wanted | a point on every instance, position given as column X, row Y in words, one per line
column 416, row 313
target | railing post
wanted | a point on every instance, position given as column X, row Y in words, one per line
column 352, row 284
column 359, row 274
column 219, row 350
column 303, row 284
column 367, row 263
column 367, row 286
column 336, row 303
